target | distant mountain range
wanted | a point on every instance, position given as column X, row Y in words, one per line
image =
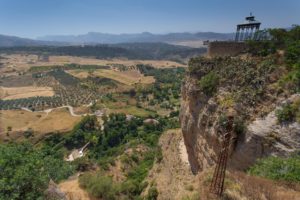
column 12, row 41
column 93, row 38
column 103, row 38
column 135, row 51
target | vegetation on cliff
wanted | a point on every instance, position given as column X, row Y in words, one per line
column 249, row 81
column 287, row 169
column 253, row 85
column 289, row 43
column 290, row 112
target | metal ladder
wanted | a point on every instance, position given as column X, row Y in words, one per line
column 217, row 184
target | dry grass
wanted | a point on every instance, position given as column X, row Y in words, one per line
column 256, row 188
column 40, row 122
column 24, row 92
column 72, row 190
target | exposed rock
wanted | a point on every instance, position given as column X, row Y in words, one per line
column 151, row 121
column 265, row 136
column 54, row 193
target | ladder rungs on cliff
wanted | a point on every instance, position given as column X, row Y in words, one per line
column 217, row 184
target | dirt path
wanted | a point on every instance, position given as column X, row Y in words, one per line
column 70, row 108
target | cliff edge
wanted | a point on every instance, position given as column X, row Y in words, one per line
column 250, row 86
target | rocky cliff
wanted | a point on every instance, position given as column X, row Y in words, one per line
column 247, row 86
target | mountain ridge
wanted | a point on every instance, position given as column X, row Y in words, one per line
column 12, row 41
column 96, row 37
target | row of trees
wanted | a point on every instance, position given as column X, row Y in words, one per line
column 68, row 91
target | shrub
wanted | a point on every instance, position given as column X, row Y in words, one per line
column 289, row 112
column 287, row 169
column 152, row 193
column 99, row 186
column 28, row 133
column 292, row 53
column 208, row 83
column 261, row 48
column 239, row 126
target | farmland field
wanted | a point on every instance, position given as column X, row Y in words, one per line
column 40, row 122
column 24, row 92
column 87, row 85
column 129, row 77
column 15, row 63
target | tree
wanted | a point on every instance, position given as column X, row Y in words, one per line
column 26, row 172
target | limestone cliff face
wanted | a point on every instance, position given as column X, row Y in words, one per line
column 200, row 114
column 200, row 139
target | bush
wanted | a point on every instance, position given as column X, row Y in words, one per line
column 292, row 53
column 261, row 48
column 99, row 186
column 239, row 126
column 28, row 133
column 208, row 83
column 287, row 169
column 152, row 193
column 289, row 112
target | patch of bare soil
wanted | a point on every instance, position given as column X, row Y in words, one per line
column 72, row 190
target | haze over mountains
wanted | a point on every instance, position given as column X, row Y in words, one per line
column 104, row 38
column 94, row 37
column 12, row 41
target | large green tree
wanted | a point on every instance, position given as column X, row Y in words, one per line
column 25, row 171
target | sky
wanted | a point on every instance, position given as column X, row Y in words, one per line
column 33, row 18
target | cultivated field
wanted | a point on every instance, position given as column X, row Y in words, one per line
column 40, row 122
column 129, row 77
column 7, row 93
column 14, row 63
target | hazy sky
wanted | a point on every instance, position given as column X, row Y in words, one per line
column 32, row 18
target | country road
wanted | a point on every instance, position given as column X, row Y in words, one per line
column 70, row 108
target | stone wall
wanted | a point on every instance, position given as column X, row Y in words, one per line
column 225, row 48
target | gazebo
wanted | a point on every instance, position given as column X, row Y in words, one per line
column 247, row 30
